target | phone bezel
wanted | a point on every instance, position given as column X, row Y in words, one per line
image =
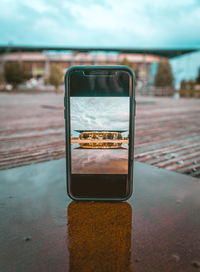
column 131, row 128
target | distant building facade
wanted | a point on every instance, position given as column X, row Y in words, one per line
column 38, row 64
column 100, row 134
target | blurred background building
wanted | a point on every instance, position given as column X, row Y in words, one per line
column 38, row 63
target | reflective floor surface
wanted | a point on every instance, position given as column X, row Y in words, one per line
column 41, row 229
column 99, row 161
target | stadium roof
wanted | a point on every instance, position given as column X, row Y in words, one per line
column 169, row 53
column 100, row 130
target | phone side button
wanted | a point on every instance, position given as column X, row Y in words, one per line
column 64, row 101
column 64, row 113
column 132, row 157
column 134, row 107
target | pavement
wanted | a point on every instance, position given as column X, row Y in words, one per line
column 167, row 131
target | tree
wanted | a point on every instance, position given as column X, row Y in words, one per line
column 2, row 79
column 131, row 65
column 164, row 76
column 191, row 84
column 14, row 73
column 56, row 76
column 183, row 84
column 198, row 77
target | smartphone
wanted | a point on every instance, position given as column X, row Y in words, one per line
column 99, row 121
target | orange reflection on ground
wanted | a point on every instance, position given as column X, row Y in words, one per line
column 99, row 236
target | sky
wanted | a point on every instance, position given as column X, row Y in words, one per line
column 95, row 113
column 102, row 23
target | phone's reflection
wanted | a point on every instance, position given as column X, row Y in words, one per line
column 99, row 236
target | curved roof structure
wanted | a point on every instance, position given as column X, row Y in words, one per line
column 100, row 130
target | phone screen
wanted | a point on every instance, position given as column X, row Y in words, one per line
column 99, row 129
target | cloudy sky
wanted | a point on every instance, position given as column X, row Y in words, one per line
column 99, row 113
column 109, row 23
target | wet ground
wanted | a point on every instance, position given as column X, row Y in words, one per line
column 167, row 131
column 43, row 230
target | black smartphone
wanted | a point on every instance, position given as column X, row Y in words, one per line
column 99, row 122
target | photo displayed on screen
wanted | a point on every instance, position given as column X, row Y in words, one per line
column 99, row 135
